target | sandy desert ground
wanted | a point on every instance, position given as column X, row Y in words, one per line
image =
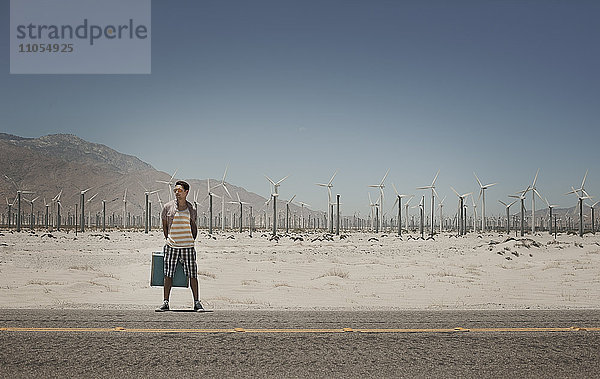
column 363, row 271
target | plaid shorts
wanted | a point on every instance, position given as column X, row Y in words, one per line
column 187, row 256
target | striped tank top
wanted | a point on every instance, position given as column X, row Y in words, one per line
column 180, row 234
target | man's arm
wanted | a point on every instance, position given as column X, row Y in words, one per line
column 165, row 228
column 194, row 228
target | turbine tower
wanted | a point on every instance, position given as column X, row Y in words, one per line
column 521, row 196
column 461, row 199
column 20, row 193
column 89, row 201
column 399, row 202
column 441, row 206
column 507, row 206
column 222, row 184
column 534, row 191
column 124, row 224
column 584, row 195
column 148, row 219
column 381, row 186
column 433, row 194
column 329, row 185
column 287, row 214
column 241, row 203
column 275, row 194
column 550, row 208
column 82, row 206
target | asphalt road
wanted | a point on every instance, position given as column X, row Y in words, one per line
column 299, row 344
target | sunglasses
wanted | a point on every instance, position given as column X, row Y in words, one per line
column 177, row 190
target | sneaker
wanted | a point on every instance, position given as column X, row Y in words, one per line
column 198, row 306
column 164, row 307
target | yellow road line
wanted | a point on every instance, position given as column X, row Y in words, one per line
column 336, row 330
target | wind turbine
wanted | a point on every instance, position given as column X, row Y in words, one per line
column 433, row 194
column 20, row 192
column 461, row 215
column 592, row 207
column 241, row 203
column 374, row 214
column 222, row 184
column 329, row 185
column 580, row 198
column 482, row 189
column 381, row 186
column 550, row 207
column 47, row 217
column 170, row 184
column 521, row 196
column 58, row 206
column 441, row 206
column 507, row 206
column 148, row 218
column 422, row 214
column 534, row 192
column 90, row 213
column 31, row 223
column 209, row 196
column 275, row 194
column 124, row 208
column 9, row 205
column 82, row 205
column 406, row 210
column 302, row 212
column 287, row 213
column 399, row 202
column 474, row 213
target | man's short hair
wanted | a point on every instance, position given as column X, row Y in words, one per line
column 183, row 184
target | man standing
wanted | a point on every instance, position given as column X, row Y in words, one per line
column 179, row 227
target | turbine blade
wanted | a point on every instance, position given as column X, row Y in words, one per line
column 172, row 176
column 478, row 181
column 453, row 190
column 279, row 182
column 584, row 177
column 226, row 190
column 395, row 190
column 535, row 179
column 331, row 180
column 269, row 179
column 434, row 179
column 385, row 176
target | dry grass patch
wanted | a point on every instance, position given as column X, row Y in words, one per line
column 207, row 274
column 336, row 271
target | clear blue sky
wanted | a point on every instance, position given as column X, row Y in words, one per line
column 310, row 87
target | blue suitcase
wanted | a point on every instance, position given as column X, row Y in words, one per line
column 157, row 276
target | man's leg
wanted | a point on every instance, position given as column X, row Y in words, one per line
column 170, row 261
column 194, row 285
column 167, row 287
column 191, row 270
